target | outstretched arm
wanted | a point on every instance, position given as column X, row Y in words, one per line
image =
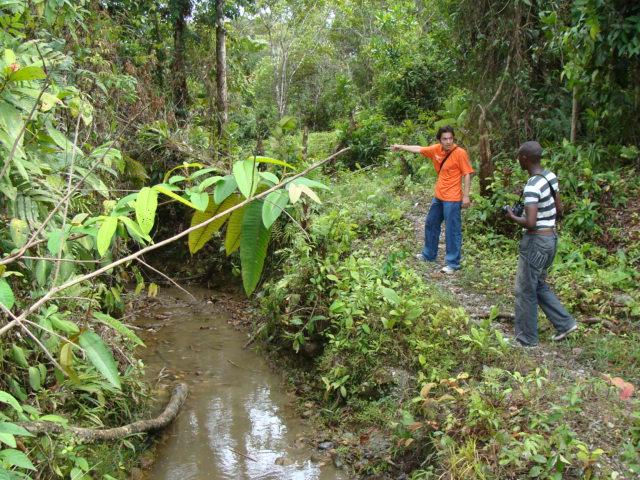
column 407, row 148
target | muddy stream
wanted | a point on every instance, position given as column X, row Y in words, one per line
column 238, row 421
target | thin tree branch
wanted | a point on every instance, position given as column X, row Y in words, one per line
column 44, row 349
column 35, row 306
column 66, row 203
column 50, row 332
column 51, row 259
column 165, row 276
column 31, row 242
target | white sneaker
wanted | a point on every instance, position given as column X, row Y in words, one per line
column 447, row 269
column 563, row 335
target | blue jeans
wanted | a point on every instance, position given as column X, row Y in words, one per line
column 450, row 212
column 536, row 256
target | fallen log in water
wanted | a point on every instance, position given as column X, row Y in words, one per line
column 170, row 412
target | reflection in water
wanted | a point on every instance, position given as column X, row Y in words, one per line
column 236, row 423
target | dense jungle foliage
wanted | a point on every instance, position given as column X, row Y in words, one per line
column 126, row 124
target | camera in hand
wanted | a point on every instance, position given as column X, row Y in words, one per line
column 517, row 209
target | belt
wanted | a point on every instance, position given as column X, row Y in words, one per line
column 542, row 231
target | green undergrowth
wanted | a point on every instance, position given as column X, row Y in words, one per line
column 33, row 391
column 387, row 354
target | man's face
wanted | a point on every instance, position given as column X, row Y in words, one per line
column 446, row 140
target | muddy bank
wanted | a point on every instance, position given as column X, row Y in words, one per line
column 239, row 421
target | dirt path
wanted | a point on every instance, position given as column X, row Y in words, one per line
column 604, row 419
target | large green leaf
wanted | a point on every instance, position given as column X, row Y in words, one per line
column 224, row 188
column 10, row 399
column 62, row 325
column 185, row 166
column 118, row 326
column 135, row 231
column 294, row 192
column 16, row 458
column 105, row 234
column 34, row 379
column 200, row 200
column 13, row 429
column 207, row 182
column 19, row 231
column 274, row 205
column 198, row 238
column 62, row 141
column 6, row 294
column 55, row 239
column 390, row 295
column 43, row 269
column 18, row 355
column 254, row 240
column 164, row 190
column 310, row 183
column 146, row 205
column 100, row 356
column 273, row 161
column 246, row 174
column 234, row 227
column 66, row 360
column 8, row 439
column 270, row 178
column 28, row 73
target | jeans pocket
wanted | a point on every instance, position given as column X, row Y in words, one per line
column 538, row 259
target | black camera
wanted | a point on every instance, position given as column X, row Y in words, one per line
column 517, row 209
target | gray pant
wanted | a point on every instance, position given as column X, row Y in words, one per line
column 536, row 256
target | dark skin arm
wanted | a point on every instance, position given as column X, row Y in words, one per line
column 559, row 207
column 528, row 221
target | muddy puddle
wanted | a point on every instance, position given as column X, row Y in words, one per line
column 238, row 421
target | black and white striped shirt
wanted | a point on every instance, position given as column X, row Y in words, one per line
column 537, row 191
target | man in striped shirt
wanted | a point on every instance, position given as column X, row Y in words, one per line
column 537, row 250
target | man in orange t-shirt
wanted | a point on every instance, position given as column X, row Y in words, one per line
column 452, row 194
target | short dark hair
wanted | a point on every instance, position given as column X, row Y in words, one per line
column 532, row 150
column 445, row 129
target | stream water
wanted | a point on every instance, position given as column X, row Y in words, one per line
column 238, row 421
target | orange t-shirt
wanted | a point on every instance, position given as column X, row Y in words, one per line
column 449, row 184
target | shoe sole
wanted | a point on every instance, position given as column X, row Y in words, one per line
column 563, row 335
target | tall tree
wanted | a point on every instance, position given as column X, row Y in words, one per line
column 180, row 10
column 293, row 30
column 221, row 70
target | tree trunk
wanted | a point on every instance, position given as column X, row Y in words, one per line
column 182, row 8
column 260, row 147
column 221, row 70
column 158, row 50
column 305, row 141
column 486, row 163
column 574, row 115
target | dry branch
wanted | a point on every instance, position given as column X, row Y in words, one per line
column 51, row 293
column 170, row 412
